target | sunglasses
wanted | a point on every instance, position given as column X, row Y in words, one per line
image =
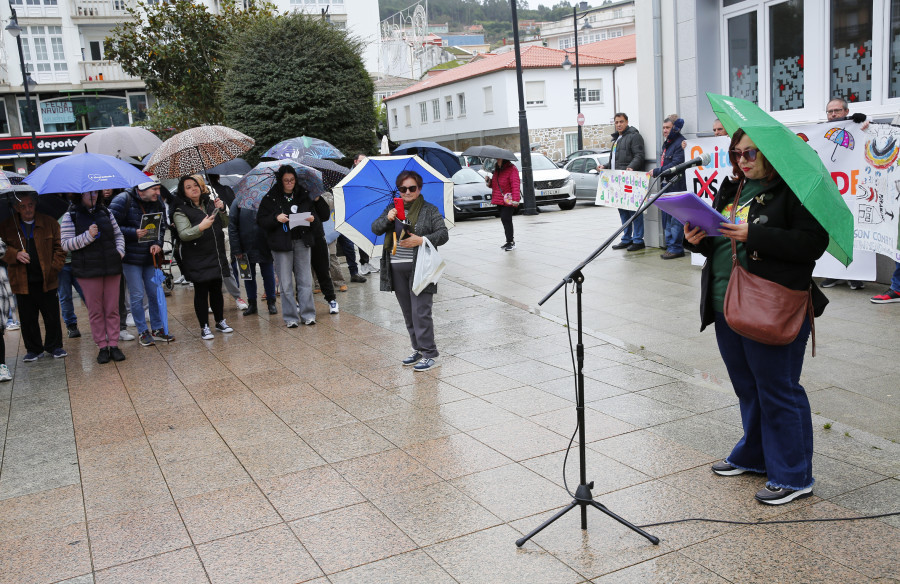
column 411, row 189
column 749, row 154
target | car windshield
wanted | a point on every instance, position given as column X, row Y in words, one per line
column 539, row 162
column 467, row 176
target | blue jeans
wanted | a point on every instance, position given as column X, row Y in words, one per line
column 139, row 279
column 348, row 250
column 775, row 412
column 66, row 282
column 895, row 279
column 635, row 232
column 674, row 232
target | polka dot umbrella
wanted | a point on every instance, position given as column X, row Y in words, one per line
column 196, row 150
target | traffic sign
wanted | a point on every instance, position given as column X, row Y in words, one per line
column 580, row 119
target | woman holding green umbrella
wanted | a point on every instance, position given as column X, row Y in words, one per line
column 778, row 239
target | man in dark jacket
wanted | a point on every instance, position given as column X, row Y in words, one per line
column 628, row 154
column 248, row 244
column 34, row 257
column 672, row 155
column 137, row 265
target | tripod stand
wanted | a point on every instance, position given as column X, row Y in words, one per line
column 583, row 497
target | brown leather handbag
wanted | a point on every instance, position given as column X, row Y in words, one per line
column 760, row 309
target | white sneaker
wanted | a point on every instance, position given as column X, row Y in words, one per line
column 363, row 269
column 129, row 320
column 223, row 327
column 124, row 335
column 13, row 325
column 179, row 280
column 241, row 304
column 5, row 375
column 370, row 269
column 206, row 334
column 333, row 307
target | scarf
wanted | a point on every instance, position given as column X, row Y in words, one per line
column 412, row 213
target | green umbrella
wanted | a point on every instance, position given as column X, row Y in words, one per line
column 799, row 166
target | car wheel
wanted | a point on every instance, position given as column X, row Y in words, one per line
column 568, row 205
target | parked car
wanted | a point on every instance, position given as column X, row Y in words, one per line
column 584, row 152
column 552, row 185
column 471, row 196
column 473, row 162
column 584, row 173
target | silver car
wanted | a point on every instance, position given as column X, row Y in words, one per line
column 584, row 172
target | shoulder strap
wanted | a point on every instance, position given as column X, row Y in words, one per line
column 737, row 200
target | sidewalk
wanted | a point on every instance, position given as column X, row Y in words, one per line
column 292, row 455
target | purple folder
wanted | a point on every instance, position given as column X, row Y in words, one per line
column 689, row 208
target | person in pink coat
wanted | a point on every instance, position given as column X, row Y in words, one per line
column 506, row 195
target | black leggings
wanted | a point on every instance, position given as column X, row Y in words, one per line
column 506, row 215
column 2, row 347
column 206, row 295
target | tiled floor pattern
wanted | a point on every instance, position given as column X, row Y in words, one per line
column 309, row 455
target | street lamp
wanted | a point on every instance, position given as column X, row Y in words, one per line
column 527, row 188
column 28, row 83
column 567, row 64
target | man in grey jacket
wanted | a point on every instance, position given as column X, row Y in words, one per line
column 628, row 154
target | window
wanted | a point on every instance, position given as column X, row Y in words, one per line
column 534, row 93
column 137, row 103
column 461, row 101
column 571, row 142
column 4, row 123
column 786, row 55
column 43, row 49
column 436, row 108
column 96, row 50
column 894, row 49
column 394, row 121
column 423, row 112
column 80, row 113
column 743, row 73
column 407, row 116
column 488, row 100
column 851, row 50
column 449, row 103
column 591, row 90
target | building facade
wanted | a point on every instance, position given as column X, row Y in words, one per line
column 609, row 21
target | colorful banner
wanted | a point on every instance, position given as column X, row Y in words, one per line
column 624, row 189
column 862, row 164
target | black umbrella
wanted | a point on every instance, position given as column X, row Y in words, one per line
column 488, row 151
column 236, row 166
column 332, row 173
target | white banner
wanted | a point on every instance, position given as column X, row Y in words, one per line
column 624, row 189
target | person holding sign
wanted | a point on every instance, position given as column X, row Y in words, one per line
column 90, row 232
column 628, row 154
column 288, row 217
column 777, row 239
column 200, row 223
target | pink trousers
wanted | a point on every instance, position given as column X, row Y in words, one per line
column 102, row 298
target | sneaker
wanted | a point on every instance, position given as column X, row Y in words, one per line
column 309, row 322
column 425, row 364
column 886, row 298
column 293, row 324
column 13, row 325
column 206, row 334
column 357, row 278
column 5, row 375
column 223, row 327
column 179, row 280
column 129, row 320
column 855, row 284
column 124, row 335
column 30, row 357
column 363, row 269
column 671, row 256
column 412, row 359
column 333, row 307
column 74, row 333
column 209, row 310
column 723, row 468
column 116, row 354
column 241, row 304
column 317, row 291
column 829, row 283
column 59, row 353
column 370, row 268
column 160, row 335
column 622, row 245
column 147, row 339
column 103, row 356
column 509, row 246
column 636, row 247
column 778, row 496
column 342, row 288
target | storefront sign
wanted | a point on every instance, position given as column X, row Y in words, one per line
column 57, row 112
column 53, row 144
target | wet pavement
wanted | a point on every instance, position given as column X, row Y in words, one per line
column 292, row 455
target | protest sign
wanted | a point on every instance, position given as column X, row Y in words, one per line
column 624, row 189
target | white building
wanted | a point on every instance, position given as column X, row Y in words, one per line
column 609, row 21
column 477, row 103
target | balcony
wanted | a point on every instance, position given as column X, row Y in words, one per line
column 104, row 72
column 107, row 9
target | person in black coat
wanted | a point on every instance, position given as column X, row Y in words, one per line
column 672, row 155
column 777, row 239
column 291, row 247
column 248, row 244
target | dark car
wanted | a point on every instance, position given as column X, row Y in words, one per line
column 471, row 196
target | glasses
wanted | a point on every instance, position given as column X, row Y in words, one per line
column 411, row 189
column 749, row 154
column 835, row 111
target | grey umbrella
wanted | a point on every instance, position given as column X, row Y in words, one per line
column 488, row 151
column 119, row 141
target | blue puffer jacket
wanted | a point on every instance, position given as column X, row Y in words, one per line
column 128, row 208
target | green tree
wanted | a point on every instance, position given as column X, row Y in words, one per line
column 296, row 75
column 176, row 47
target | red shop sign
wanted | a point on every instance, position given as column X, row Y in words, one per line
column 55, row 144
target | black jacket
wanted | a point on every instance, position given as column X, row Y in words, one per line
column 127, row 207
column 204, row 259
column 783, row 243
column 630, row 150
column 275, row 203
column 672, row 155
column 245, row 236
column 100, row 258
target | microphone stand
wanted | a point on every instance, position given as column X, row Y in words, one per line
column 583, row 497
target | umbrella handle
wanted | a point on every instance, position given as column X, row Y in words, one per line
column 394, row 249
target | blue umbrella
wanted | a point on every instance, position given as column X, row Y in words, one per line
column 303, row 146
column 80, row 173
column 442, row 159
column 158, row 278
column 371, row 186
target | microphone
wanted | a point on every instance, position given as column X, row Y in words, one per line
column 699, row 161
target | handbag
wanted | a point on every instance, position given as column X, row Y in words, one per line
column 760, row 309
column 429, row 266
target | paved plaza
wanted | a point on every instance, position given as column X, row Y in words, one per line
column 278, row 455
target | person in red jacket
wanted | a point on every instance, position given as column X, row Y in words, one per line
column 505, row 187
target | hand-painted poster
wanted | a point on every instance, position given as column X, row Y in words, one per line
column 624, row 189
column 864, row 165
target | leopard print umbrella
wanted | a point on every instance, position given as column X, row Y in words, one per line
column 196, row 150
